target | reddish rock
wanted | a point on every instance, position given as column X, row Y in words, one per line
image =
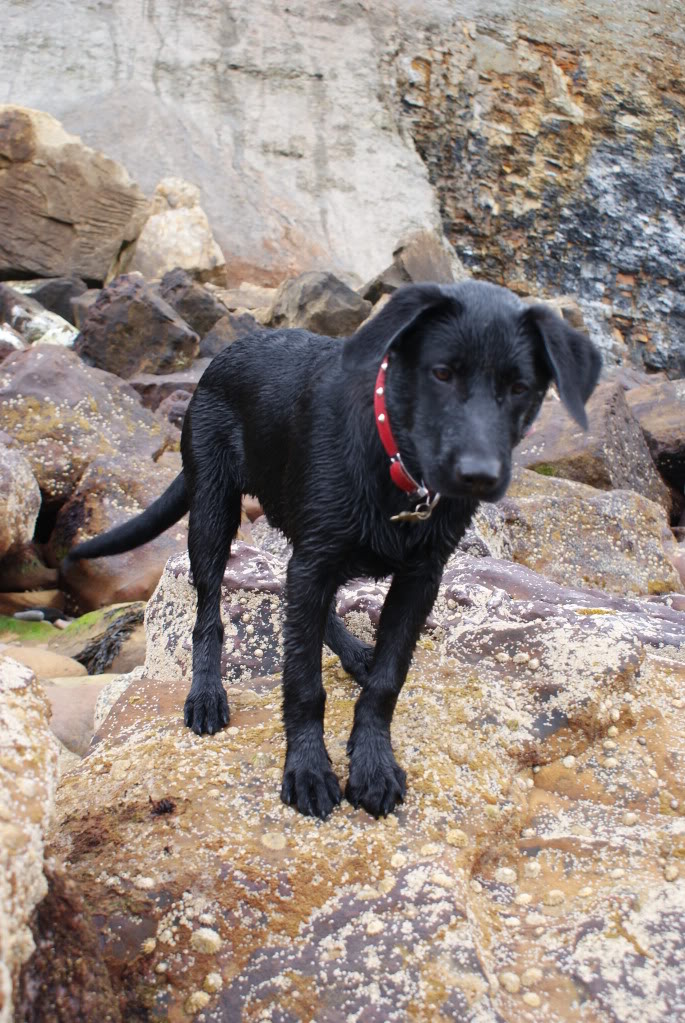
column 225, row 332
column 174, row 407
column 129, row 329
column 197, row 305
column 421, row 256
column 660, row 410
column 19, row 501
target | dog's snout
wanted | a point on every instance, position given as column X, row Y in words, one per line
column 479, row 472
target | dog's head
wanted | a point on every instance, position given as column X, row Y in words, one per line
column 469, row 365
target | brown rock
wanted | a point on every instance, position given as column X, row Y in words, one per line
column 153, row 388
column 72, row 705
column 226, row 331
column 11, row 602
column 421, row 256
column 617, row 541
column 44, row 664
column 82, row 304
column 660, row 410
column 19, row 501
column 96, row 639
column 28, row 778
column 65, row 209
column 25, row 569
column 62, row 414
column 111, row 491
column 129, row 329
column 197, row 305
column 610, row 455
column 319, row 302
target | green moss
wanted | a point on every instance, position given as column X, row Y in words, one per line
column 544, row 469
column 26, row 632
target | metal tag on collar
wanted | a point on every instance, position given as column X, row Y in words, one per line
column 422, row 511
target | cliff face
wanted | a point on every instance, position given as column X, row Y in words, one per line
column 553, row 135
column 547, row 137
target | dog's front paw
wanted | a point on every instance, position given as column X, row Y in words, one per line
column 309, row 783
column 376, row 781
column 206, row 710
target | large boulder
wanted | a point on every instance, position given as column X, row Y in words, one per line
column 176, row 234
column 112, row 490
column 19, row 500
column 65, row 209
column 421, row 256
column 537, row 727
column 618, row 541
column 129, row 329
column 319, row 302
column 28, row 779
column 62, row 414
column 611, row 455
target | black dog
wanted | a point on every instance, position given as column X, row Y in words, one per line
column 450, row 377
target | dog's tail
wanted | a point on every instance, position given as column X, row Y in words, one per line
column 171, row 506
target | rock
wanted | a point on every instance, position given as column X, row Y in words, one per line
column 610, row 455
column 197, row 305
column 225, row 332
column 67, row 968
column 19, row 500
column 24, row 569
column 98, row 638
column 660, row 410
column 129, row 329
column 496, row 845
column 11, row 602
column 44, row 664
column 10, row 341
column 82, row 305
column 153, row 388
column 617, row 541
column 58, row 294
column 62, row 414
column 567, row 307
column 33, row 323
column 28, row 778
column 173, row 408
column 254, row 298
column 111, row 491
column 72, row 705
column 421, row 256
column 319, row 302
column 175, row 235
column 66, row 210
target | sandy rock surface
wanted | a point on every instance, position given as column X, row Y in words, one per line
column 534, row 867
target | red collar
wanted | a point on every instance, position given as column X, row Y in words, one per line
column 399, row 474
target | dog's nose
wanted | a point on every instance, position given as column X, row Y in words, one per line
column 479, row 472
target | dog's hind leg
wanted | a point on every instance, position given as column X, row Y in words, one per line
column 214, row 521
column 308, row 781
column 355, row 656
column 376, row 781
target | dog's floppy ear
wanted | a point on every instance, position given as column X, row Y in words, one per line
column 404, row 309
column 573, row 360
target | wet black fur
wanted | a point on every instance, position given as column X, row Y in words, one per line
column 288, row 416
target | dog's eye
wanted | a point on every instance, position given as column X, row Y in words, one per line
column 518, row 388
column 442, row 373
